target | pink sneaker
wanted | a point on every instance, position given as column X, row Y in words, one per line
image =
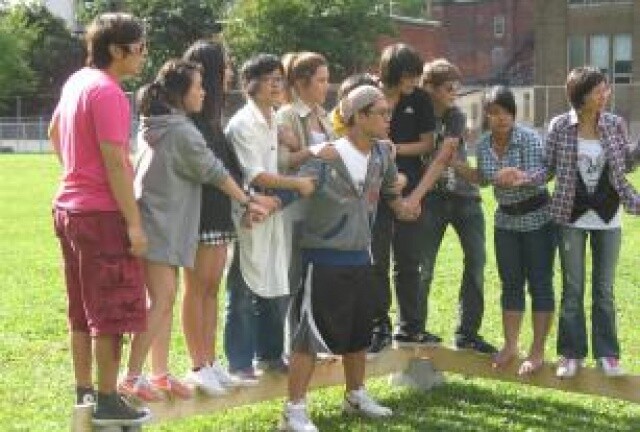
column 610, row 366
column 138, row 387
column 170, row 384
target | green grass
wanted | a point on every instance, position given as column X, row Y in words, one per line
column 36, row 391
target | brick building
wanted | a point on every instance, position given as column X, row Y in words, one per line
column 490, row 40
column 602, row 33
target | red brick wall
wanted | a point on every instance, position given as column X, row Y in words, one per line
column 466, row 37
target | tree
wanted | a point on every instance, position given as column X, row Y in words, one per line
column 16, row 77
column 345, row 31
column 50, row 50
column 172, row 25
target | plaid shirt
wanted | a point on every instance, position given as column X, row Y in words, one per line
column 524, row 152
column 561, row 155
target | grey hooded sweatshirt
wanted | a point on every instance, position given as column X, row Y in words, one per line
column 172, row 163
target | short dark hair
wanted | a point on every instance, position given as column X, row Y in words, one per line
column 115, row 28
column 398, row 61
column 580, row 82
column 257, row 67
column 170, row 86
column 501, row 96
column 211, row 56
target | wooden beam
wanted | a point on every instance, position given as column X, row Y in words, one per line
column 329, row 373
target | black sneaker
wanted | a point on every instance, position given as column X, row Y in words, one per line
column 417, row 339
column 474, row 343
column 113, row 410
column 379, row 341
column 85, row 396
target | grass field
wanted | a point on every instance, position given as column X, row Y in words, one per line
column 36, row 391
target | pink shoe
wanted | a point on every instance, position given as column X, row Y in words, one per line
column 138, row 387
column 170, row 384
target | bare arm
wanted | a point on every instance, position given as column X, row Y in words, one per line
column 304, row 185
column 121, row 185
column 54, row 136
column 424, row 145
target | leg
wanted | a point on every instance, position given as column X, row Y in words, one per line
column 381, row 251
column 605, row 249
column 301, row 367
column 572, row 332
column 108, row 351
column 509, row 253
column 468, row 222
column 269, row 327
column 200, row 303
column 161, row 287
column 406, row 265
column 540, row 249
column 414, row 306
column 354, row 367
column 239, row 339
column 82, row 356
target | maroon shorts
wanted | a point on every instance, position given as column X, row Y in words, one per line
column 105, row 284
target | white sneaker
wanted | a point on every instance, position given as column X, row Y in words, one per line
column 568, row 367
column 224, row 378
column 295, row 419
column 610, row 366
column 359, row 402
column 205, row 381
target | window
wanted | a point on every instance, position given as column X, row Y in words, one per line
column 622, row 59
column 577, row 51
column 498, row 26
column 599, row 52
column 612, row 54
column 597, row 2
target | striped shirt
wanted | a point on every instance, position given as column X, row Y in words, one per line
column 524, row 151
column 561, row 155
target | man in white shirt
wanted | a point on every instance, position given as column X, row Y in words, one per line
column 258, row 284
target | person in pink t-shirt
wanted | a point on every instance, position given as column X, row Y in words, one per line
column 95, row 214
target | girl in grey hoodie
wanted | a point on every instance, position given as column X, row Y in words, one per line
column 172, row 164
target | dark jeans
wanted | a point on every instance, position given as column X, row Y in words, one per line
column 526, row 257
column 254, row 325
column 405, row 241
column 572, row 332
column 466, row 217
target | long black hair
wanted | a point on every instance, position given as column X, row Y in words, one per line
column 168, row 89
column 211, row 56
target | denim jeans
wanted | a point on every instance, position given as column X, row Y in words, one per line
column 526, row 257
column 572, row 332
column 254, row 325
column 465, row 215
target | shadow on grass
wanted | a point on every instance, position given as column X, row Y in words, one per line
column 464, row 406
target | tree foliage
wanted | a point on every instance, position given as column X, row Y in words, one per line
column 16, row 77
column 172, row 25
column 49, row 49
column 343, row 30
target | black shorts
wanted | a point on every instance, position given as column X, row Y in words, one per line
column 335, row 308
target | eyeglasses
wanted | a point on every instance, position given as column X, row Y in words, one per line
column 136, row 48
column 383, row 112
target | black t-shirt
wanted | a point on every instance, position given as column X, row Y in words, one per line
column 412, row 116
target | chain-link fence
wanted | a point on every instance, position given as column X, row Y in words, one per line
column 536, row 106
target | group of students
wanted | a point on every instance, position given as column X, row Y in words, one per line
column 318, row 204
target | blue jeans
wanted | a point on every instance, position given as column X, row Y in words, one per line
column 526, row 257
column 572, row 332
column 254, row 325
column 467, row 219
